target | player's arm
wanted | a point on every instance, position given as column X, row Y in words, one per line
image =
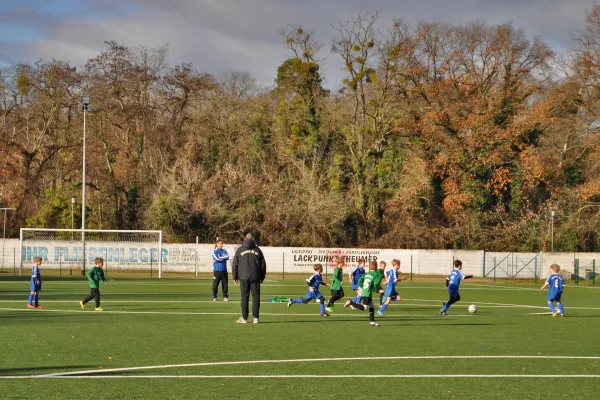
column 545, row 286
column 447, row 283
column 235, row 265
column 468, row 276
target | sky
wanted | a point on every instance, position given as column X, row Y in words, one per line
column 243, row 35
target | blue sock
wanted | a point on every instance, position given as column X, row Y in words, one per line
column 35, row 299
column 30, row 299
column 357, row 299
column 552, row 308
column 322, row 306
column 383, row 307
column 445, row 307
column 561, row 309
column 297, row 300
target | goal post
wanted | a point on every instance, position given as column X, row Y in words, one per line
column 120, row 249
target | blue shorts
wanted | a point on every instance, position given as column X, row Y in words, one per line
column 391, row 293
column 554, row 297
column 34, row 286
column 313, row 295
column 453, row 290
column 355, row 286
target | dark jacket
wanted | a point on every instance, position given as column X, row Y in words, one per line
column 249, row 263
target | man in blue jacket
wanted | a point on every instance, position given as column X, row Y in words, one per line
column 220, row 258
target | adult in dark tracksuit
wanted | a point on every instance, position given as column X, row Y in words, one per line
column 249, row 269
column 220, row 258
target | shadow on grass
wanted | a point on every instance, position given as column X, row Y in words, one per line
column 33, row 370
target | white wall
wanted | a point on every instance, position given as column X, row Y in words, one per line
column 191, row 258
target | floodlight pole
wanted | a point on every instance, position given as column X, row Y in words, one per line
column 552, row 213
column 72, row 216
column 85, row 102
column 4, row 232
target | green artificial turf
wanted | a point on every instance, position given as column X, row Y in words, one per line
column 173, row 325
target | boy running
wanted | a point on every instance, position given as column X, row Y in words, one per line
column 314, row 281
column 337, row 291
column 391, row 294
column 355, row 274
column 35, row 285
column 368, row 283
column 555, row 284
column 453, row 285
column 94, row 275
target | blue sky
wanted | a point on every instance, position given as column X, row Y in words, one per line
column 222, row 35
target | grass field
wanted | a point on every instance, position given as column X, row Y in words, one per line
column 167, row 340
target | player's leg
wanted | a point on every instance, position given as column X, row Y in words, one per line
column 30, row 301
column 90, row 297
column 245, row 299
column 322, row 306
column 255, row 288
column 225, row 285
column 372, row 313
column 454, row 297
column 215, row 285
column 97, row 297
column 355, row 305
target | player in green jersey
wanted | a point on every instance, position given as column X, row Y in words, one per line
column 369, row 283
column 337, row 291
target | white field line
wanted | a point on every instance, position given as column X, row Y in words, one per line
column 305, row 360
column 527, row 376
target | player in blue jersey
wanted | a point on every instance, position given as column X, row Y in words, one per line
column 314, row 281
column 220, row 258
column 355, row 274
column 555, row 284
column 392, row 277
column 453, row 285
column 35, row 285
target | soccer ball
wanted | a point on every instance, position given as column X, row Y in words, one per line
column 473, row 308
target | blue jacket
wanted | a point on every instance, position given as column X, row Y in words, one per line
column 220, row 258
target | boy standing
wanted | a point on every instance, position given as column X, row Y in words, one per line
column 368, row 283
column 337, row 291
column 220, row 258
column 35, row 285
column 453, row 285
column 391, row 294
column 94, row 275
column 555, row 284
column 314, row 281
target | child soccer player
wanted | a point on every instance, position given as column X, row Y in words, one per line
column 381, row 270
column 391, row 294
column 220, row 258
column 453, row 285
column 337, row 291
column 355, row 274
column 94, row 275
column 36, row 284
column 314, row 281
column 555, row 284
column 368, row 283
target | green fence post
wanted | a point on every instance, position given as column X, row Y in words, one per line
column 576, row 268
column 483, row 265
column 60, row 264
column 283, row 266
column 151, row 266
column 14, row 261
column 494, row 270
column 411, row 265
column 535, row 271
column 594, row 272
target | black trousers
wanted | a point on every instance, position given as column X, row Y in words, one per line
column 367, row 304
column 94, row 293
column 335, row 296
column 224, row 279
column 245, row 288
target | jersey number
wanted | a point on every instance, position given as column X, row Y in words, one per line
column 366, row 284
column 556, row 283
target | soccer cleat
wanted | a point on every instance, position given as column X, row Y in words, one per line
column 255, row 321
column 554, row 315
column 214, row 299
column 373, row 323
column 562, row 315
column 329, row 309
column 241, row 321
column 225, row 298
column 289, row 302
column 379, row 313
column 325, row 315
column 82, row 305
column 347, row 303
column 30, row 306
column 99, row 309
column 442, row 312
column 39, row 306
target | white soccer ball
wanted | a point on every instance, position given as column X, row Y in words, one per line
column 473, row 308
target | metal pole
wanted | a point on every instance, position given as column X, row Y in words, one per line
column 552, row 232
column 196, row 259
column 72, row 217
column 411, row 266
column 594, row 272
column 83, row 191
column 283, row 266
